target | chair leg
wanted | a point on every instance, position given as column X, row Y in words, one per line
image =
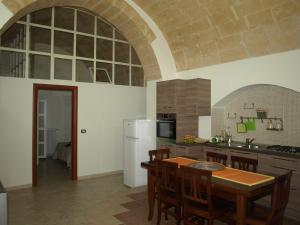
column 178, row 214
column 166, row 208
column 210, row 222
column 158, row 212
column 151, row 209
column 151, row 195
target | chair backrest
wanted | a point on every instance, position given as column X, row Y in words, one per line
column 167, row 177
column 243, row 163
column 159, row 154
column 196, row 186
column 216, row 157
column 280, row 198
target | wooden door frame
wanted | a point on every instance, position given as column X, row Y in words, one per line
column 74, row 125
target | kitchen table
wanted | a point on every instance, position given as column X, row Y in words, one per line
column 230, row 184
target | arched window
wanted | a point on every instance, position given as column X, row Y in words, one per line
column 68, row 44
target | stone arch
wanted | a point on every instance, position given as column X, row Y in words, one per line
column 118, row 13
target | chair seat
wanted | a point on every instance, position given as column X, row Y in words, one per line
column 169, row 197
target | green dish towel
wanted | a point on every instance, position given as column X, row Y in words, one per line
column 250, row 125
column 241, row 128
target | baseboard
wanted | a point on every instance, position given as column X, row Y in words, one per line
column 18, row 187
column 100, row 175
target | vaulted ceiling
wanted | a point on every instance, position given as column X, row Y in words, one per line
column 198, row 32
column 206, row 32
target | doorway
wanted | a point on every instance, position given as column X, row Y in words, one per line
column 39, row 136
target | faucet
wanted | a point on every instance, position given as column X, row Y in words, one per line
column 249, row 141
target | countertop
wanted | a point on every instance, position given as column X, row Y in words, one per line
column 262, row 148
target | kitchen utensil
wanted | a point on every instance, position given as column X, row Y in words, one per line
column 270, row 125
column 241, row 127
column 279, row 125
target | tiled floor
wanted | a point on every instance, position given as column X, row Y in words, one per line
column 59, row 201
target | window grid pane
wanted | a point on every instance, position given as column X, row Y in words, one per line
column 42, row 16
column 39, row 66
column 84, row 71
column 85, row 22
column 64, row 18
column 104, row 72
column 40, row 39
column 14, row 37
column 85, row 46
column 122, row 75
column 63, row 41
column 63, row 69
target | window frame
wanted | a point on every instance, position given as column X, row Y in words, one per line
column 73, row 57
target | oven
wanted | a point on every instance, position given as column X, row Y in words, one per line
column 166, row 125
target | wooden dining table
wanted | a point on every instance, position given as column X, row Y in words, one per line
column 230, row 184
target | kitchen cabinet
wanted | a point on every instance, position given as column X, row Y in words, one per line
column 191, row 151
column 185, row 97
column 182, row 150
column 197, row 97
column 169, row 95
column 252, row 155
column 188, row 99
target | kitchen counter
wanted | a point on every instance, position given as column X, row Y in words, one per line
column 261, row 148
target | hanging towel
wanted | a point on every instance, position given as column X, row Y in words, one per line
column 250, row 125
column 241, row 127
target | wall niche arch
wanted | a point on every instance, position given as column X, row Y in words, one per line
column 278, row 101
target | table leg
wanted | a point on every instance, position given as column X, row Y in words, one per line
column 241, row 205
column 151, row 193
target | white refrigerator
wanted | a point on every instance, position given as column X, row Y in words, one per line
column 139, row 138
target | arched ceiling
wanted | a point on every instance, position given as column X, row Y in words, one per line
column 117, row 12
column 206, row 32
column 199, row 32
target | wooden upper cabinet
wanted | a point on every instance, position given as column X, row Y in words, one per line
column 168, row 95
column 185, row 97
column 197, row 97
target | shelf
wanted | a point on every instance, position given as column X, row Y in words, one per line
column 274, row 129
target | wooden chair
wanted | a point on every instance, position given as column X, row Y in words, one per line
column 159, row 154
column 169, row 194
column 243, row 163
column 155, row 155
column 216, row 157
column 275, row 214
column 198, row 202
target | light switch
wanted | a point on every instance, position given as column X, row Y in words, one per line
column 83, row 131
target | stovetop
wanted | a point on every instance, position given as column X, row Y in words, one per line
column 283, row 148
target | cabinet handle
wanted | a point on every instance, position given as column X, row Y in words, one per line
column 289, row 160
column 283, row 168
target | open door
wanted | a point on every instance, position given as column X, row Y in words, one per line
column 39, row 144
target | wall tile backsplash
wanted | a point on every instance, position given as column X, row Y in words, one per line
column 278, row 101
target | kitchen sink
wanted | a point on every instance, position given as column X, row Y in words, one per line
column 248, row 147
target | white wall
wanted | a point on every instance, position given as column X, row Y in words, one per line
column 101, row 109
column 281, row 69
column 5, row 14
